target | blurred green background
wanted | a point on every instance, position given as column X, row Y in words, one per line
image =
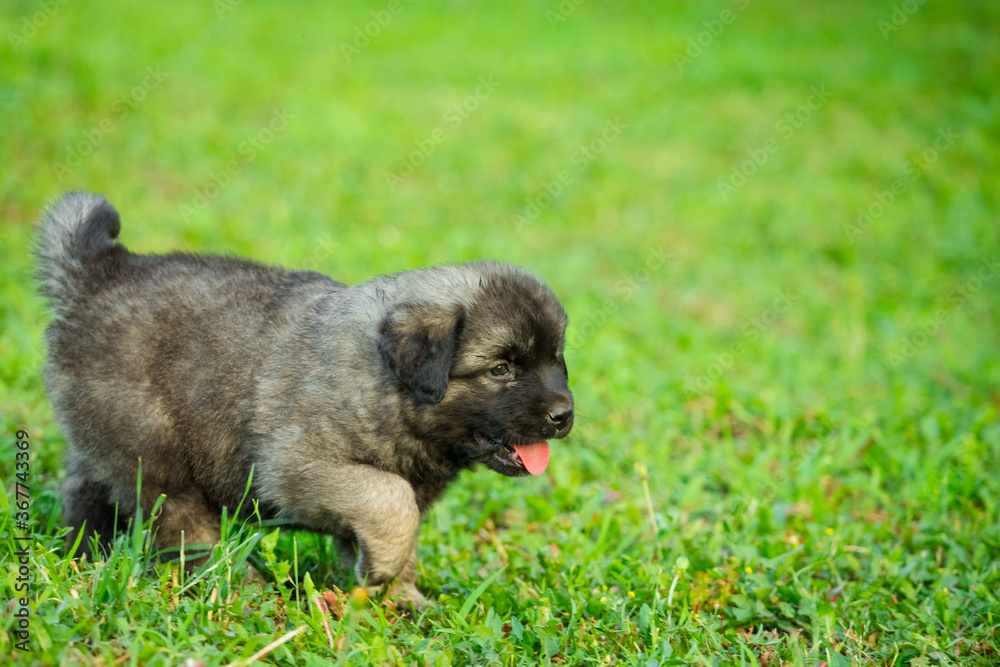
column 774, row 226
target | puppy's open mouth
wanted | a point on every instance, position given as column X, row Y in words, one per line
column 514, row 458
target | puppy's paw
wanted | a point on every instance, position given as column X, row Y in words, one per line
column 407, row 597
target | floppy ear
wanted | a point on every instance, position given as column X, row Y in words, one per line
column 417, row 342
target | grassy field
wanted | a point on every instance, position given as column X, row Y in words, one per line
column 775, row 227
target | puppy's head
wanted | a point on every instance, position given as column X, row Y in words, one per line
column 488, row 372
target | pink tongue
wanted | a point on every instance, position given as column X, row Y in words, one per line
column 535, row 456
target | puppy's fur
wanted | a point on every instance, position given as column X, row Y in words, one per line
column 353, row 406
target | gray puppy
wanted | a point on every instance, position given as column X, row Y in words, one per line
column 353, row 406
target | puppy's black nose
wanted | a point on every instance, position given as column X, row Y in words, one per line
column 560, row 415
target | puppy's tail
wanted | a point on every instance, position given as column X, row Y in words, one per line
column 77, row 231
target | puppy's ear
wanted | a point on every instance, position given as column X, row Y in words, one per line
column 417, row 342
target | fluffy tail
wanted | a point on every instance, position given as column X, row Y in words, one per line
column 76, row 230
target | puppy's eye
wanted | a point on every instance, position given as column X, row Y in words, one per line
column 499, row 369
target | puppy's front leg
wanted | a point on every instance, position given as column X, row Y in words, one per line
column 380, row 509
column 406, row 587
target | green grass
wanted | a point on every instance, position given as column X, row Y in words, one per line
column 811, row 401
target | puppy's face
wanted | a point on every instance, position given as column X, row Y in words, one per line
column 490, row 375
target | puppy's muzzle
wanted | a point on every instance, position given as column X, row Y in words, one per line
column 561, row 414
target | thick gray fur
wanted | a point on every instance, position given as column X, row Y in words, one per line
column 354, row 406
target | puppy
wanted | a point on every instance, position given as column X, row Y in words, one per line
column 352, row 406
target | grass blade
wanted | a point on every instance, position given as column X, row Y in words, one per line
column 471, row 600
